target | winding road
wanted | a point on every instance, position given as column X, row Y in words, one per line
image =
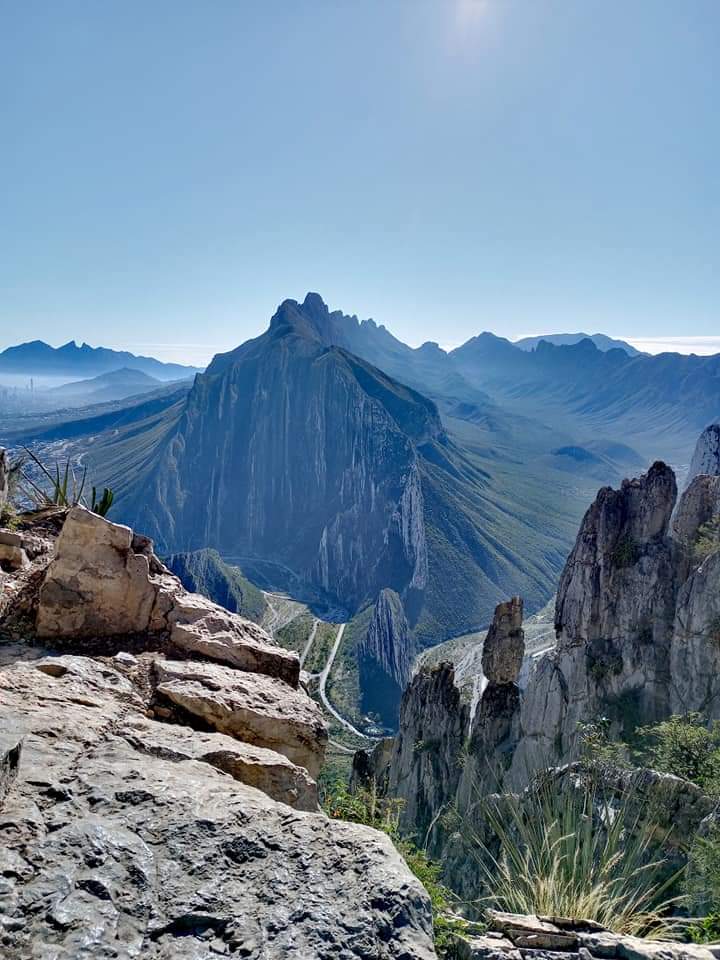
column 308, row 645
column 323, row 682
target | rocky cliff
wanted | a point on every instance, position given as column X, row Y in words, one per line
column 385, row 658
column 706, row 458
column 157, row 775
column 637, row 620
column 319, row 451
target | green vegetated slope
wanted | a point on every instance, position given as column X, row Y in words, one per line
column 204, row 571
column 295, row 634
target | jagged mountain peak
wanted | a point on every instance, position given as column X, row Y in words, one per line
column 312, row 319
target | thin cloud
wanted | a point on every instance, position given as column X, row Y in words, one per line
column 703, row 346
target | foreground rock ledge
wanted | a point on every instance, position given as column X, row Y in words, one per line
column 125, row 837
column 107, row 852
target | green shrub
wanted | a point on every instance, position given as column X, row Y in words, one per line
column 707, row 540
column 102, row 506
column 703, row 875
column 626, row 553
column 685, row 747
column 574, row 852
column 597, row 748
column 707, row 931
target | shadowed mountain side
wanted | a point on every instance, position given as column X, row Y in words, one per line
column 601, row 341
column 641, row 400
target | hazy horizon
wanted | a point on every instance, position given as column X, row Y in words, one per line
column 200, row 355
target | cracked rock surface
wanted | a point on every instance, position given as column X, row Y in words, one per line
column 133, row 827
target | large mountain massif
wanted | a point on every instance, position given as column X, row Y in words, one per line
column 348, row 464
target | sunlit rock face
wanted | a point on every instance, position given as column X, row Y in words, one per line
column 706, row 459
column 157, row 775
column 614, row 618
column 638, row 639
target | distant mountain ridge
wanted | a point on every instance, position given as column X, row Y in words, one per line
column 643, row 400
column 113, row 385
column 601, row 341
column 37, row 357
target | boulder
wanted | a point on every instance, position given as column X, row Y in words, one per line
column 200, row 627
column 95, row 585
column 105, row 581
column 124, row 837
column 257, row 709
column 12, row 555
column 513, row 936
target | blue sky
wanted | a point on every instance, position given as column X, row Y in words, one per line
column 173, row 170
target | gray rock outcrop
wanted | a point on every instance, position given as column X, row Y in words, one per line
column 257, row 709
column 614, row 618
column 131, row 826
column 113, row 842
column 637, row 620
column 513, row 936
column 105, row 582
column 420, row 765
column 504, row 646
column 495, row 727
column 706, row 458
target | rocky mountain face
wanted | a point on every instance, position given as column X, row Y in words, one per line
column 320, row 450
column 157, row 774
column 706, row 458
column 637, row 620
column 385, row 657
column 205, row 572
column 339, row 482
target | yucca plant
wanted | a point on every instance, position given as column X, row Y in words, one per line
column 572, row 851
